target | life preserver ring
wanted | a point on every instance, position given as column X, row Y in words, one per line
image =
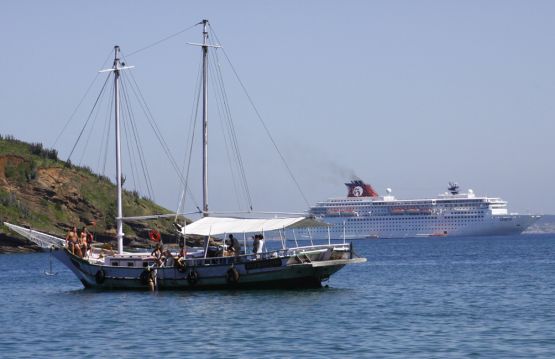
column 100, row 276
column 154, row 235
column 232, row 275
column 192, row 277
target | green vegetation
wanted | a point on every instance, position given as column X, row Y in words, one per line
column 39, row 190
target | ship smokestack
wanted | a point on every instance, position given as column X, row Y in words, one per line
column 357, row 188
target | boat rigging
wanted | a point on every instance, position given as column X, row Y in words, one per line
column 217, row 264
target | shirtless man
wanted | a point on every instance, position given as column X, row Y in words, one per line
column 71, row 239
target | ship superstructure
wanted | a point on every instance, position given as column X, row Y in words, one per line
column 365, row 214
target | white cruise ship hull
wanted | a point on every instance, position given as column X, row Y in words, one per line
column 368, row 228
column 365, row 214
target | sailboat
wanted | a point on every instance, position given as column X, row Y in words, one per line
column 299, row 266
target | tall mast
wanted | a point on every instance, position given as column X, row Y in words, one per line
column 205, row 119
column 205, row 45
column 119, row 215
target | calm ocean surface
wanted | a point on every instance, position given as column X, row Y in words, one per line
column 414, row 298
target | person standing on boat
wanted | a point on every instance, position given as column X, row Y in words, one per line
column 234, row 245
column 90, row 238
column 71, row 239
column 83, row 241
column 255, row 243
column 260, row 243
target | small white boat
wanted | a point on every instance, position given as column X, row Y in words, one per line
column 301, row 266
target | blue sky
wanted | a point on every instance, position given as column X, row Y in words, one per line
column 404, row 94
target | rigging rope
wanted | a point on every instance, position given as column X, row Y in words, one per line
column 148, row 114
column 88, row 118
column 227, row 144
column 261, row 120
column 108, row 129
column 136, row 137
column 130, row 117
column 192, row 131
column 131, row 158
column 90, row 132
column 161, row 40
column 223, row 106
column 234, row 135
column 81, row 101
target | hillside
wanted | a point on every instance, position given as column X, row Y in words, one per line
column 39, row 190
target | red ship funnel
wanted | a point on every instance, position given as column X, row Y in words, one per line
column 357, row 188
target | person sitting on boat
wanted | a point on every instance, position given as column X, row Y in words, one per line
column 180, row 261
column 157, row 254
column 166, row 255
column 182, row 249
column 71, row 239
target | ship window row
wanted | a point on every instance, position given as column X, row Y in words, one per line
column 400, row 220
column 465, row 200
column 361, row 216
column 404, row 228
column 400, row 204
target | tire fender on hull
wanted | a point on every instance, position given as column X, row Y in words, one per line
column 232, row 275
column 192, row 277
column 100, row 276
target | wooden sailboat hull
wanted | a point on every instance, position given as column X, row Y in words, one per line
column 265, row 273
column 300, row 267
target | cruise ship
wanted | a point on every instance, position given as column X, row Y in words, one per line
column 365, row 214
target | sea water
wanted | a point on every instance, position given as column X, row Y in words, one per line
column 415, row 298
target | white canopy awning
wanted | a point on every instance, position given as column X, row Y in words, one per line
column 218, row 225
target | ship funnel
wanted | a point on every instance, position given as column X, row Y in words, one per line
column 357, row 188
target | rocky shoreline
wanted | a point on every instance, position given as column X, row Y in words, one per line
column 19, row 249
column 9, row 244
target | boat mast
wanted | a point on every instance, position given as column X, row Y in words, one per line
column 119, row 215
column 205, row 119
